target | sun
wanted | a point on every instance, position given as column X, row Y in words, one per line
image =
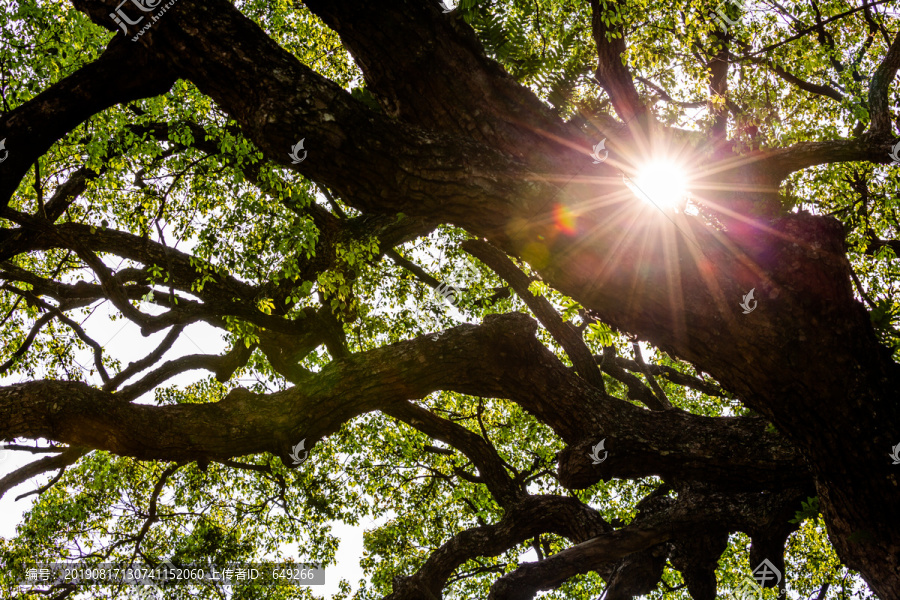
column 662, row 183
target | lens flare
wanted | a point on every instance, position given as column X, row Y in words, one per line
column 661, row 183
column 564, row 219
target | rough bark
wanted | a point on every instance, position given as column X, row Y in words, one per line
column 807, row 359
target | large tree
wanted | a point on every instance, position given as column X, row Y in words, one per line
column 507, row 148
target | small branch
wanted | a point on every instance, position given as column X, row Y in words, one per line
column 564, row 333
column 859, row 288
column 29, row 339
column 222, row 365
column 44, row 488
column 673, row 375
column 636, row 388
column 145, row 362
column 823, row 591
column 821, row 90
column 57, row 312
column 666, row 97
column 32, row 469
column 413, row 268
column 660, row 394
column 152, row 509
column 436, row 450
column 815, row 27
column 611, row 72
column 332, row 202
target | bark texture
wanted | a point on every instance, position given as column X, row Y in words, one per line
column 459, row 141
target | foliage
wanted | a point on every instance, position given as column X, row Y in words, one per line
column 209, row 192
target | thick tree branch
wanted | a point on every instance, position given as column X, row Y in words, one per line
column 245, row 423
column 500, row 358
column 34, row 126
column 408, row 54
column 694, row 510
column 531, row 516
column 612, row 74
column 879, row 87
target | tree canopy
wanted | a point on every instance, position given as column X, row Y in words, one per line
column 570, row 298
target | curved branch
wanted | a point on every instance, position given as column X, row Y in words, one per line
column 663, row 519
column 532, row 516
column 564, row 333
column 673, row 375
column 879, row 87
column 66, row 457
column 660, row 394
column 636, row 389
column 141, row 364
column 482, row 454
column 58, row 313
column 34, row 126
column 825, row 91
column 223, row 366
column 245, row 423
column 26, row 344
